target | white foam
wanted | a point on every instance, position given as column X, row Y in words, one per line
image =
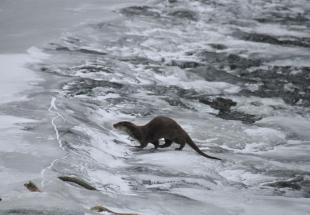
column 104, row 143
column 258, row 106
column 112, row 182
column 188, row 162
column 245, row 177
column 264, row 139
column 294, row 126
column 278, row 30
column 179, row 78
column 236, row 201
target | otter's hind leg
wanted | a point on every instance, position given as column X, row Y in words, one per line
column 167, row 144
column 182, row 144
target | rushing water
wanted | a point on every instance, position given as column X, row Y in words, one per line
column 234, row 74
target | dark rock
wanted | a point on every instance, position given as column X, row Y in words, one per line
column 137, row 60
column 78, row 181
column 32, row 187
column 236, row 61
column 140, row 11
column 278, row 17
column 289, row 83
column 85, row 86
column 100, row 209
column 218, row 103
column 94, row 68
column 172, row 91
column 235, row 115
column 184, row 14
column 185, row 64
column 210, row 73
column 62, row 48
column 294, row 184
column 44, row 69
column 218, row 46
column 264, row 38
column 90, row 51
column 177, row 102
column 233, row 61
column 74, row 48
column 224, row 106
column 26, row 211
column 285, row 184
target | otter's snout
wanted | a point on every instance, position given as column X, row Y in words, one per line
column 123, row 126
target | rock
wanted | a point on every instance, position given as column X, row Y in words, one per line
column 100, row 209
column 293, row 183
column 44, row 69
column 287, row 82
column 219, row 103
column 32, row 187
column 211, row 73
column 185, row 64
column 286, row 184
column 278, row 17
column 85, row 86
column 218, row 46
column 138, row 60
column 185, row 14
column 233, row 61
column 224, row 106
column 90, row 51
column 139, row 11
column 264, row 38
column 78, row 181
column 177, row 102
column 236, row 115
column 39, row 211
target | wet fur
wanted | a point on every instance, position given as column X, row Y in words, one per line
column 158, row 128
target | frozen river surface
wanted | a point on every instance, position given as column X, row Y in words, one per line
column 234, row 74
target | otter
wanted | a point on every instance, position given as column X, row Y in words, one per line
column 158, row 128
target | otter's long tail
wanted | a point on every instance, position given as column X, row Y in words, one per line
column 195, row 147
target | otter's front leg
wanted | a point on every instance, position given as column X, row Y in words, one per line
column 142, row 145
column 155, row 143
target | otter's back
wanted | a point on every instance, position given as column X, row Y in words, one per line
column 164, row 127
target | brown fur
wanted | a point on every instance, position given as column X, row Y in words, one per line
column 158, row 128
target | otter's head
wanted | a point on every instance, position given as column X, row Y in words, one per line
column 128, row 127
column 124, row 126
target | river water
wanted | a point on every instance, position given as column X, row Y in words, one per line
column 235, row 75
